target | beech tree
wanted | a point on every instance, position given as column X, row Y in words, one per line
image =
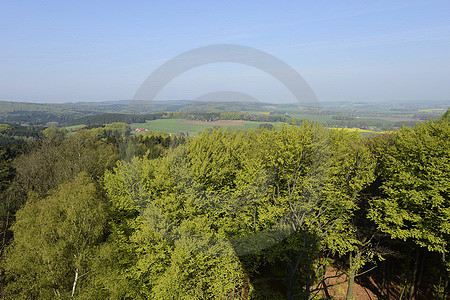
column 55, row 242
column 58, row 160
column 229, row 214
column 415, row 203
column 317, row 175
column 159, row 246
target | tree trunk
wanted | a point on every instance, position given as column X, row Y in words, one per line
column 419, row 278
column 74, row 283
column 412, row 288
column 389, row 278
column 445, row 272
column 288, row 280
column 402, row 292
column 384, row 280
column 351, row 276
column 325, row 289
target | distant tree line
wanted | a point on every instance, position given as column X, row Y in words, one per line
column 200, row 116
column 337, row 120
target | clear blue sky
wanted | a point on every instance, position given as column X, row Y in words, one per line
column 58, row 51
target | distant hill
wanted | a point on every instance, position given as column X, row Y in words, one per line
column 335, row 114
column 65, row 113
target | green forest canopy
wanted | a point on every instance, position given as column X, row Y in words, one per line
column 255, row 214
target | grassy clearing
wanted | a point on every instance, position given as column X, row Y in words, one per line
column 74, row 128
column 174, row 126
column 5, row 127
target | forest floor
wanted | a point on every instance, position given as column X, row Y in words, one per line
column 337, row 287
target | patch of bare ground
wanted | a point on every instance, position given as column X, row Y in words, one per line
column 336, row 287
column 216, row 123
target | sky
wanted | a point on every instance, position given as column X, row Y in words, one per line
column 68, row 51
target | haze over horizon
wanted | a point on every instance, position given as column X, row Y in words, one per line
column 67, row 51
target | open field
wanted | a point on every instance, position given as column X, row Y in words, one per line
column 217, row 123
column 433, row 110
column 74, row 128
column 194, row 128
column 358, row 130
column 336, row 114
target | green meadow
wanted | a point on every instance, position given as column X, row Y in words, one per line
column 174, row 126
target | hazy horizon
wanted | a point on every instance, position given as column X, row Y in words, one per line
column 88, row 51
column 438, row 102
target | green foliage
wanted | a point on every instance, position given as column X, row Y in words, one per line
column 60, row 159
column 446, row 116
column 260, row 178
column 200, row 268
column 267, row 126
column 5, row 127
column 415, row 201
column 228, row 214
column 14, row 141
column 54, row 135
column 5, row 170
column 113, row 130
column 153, row 257
column 55, row 239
